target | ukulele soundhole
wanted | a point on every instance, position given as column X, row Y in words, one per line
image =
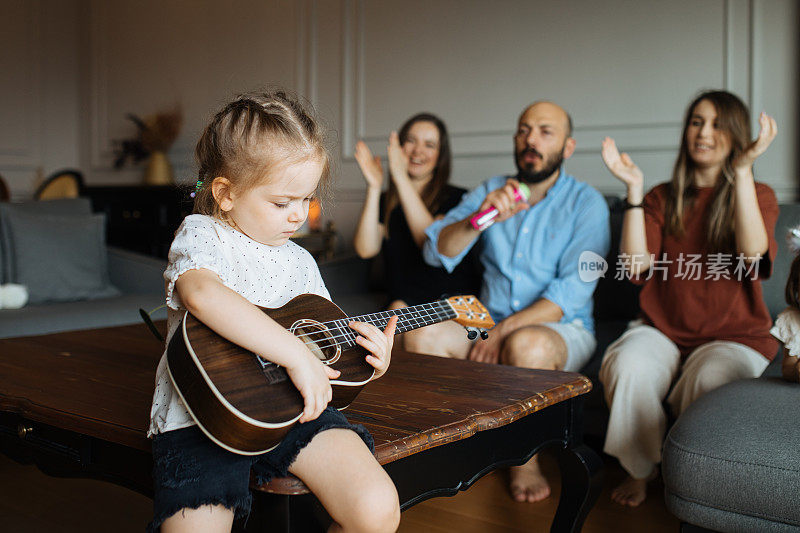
column 318, row 339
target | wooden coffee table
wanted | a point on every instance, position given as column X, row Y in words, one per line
column 78, row 404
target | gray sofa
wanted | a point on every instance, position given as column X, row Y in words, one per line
column 135, row 280
column 139, row 279
column 731, row 461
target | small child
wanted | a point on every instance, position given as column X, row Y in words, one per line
column 261, row 161
column 787, row 325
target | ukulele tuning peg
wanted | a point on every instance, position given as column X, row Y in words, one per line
column 472, row 333
column 484, row 334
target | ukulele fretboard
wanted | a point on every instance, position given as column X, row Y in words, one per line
column 408, row 318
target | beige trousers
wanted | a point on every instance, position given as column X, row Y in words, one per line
column 637, row 371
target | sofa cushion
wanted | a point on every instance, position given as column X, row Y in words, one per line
column 63, row 206
column 730, row 462
column 88, row 314
column 58, row 257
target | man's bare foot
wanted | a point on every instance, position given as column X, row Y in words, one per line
column 632, row 491
column 527, row 482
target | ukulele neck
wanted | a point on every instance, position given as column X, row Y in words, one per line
column 408, row 318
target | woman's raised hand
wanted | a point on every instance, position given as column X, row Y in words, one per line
column 370, row 165
column 622, row 166
column 768, row 131
column 398, row 160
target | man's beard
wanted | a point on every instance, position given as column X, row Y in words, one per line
column 530, row 176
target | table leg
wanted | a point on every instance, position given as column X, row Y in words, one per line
column 581, row 481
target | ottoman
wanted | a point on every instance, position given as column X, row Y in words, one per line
column 731, row 462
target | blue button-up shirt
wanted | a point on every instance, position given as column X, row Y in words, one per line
column 534, row 254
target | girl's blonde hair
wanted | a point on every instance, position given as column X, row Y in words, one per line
column 734, row 120
column 252, row 135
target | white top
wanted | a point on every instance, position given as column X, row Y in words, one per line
column 787, row 330
column 268, row 276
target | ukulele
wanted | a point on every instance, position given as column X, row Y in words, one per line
column 247, row 404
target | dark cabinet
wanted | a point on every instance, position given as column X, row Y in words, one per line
column 141, row 218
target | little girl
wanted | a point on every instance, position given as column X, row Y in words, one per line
column 261, row 160
column 787, row 325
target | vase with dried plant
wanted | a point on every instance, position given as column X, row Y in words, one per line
column 155, row 134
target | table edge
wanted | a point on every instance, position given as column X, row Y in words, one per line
column 406, row 446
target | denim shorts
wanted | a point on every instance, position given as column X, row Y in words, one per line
column 189, row 470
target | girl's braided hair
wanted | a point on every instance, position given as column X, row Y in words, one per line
column 253, row 135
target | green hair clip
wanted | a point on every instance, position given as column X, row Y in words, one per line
column 197, row 187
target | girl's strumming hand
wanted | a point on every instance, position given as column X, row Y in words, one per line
column 378, row 343
column 312, row 379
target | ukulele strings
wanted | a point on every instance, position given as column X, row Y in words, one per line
column 350, row 336
column 405, row 313
column 381, row 321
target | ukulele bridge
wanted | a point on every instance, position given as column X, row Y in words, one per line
column 273, row 373
column 318, row 339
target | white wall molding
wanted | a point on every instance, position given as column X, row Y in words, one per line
column 338, row 55
column 756, row 101
column 736, row 62
column 352, row 76
column 100, row 144
column 307, row 54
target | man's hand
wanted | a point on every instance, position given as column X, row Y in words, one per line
column 488, row 351
column 503, row 200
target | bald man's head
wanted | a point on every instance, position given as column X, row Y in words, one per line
column 554, row 110
column 542, row 142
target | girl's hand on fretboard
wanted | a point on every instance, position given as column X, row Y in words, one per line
column 378, row 343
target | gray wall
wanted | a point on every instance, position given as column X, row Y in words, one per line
column 624, row 68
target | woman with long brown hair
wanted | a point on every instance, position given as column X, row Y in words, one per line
column 419, row 168
column 700, row 244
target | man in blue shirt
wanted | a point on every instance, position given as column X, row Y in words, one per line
column 533, row 282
